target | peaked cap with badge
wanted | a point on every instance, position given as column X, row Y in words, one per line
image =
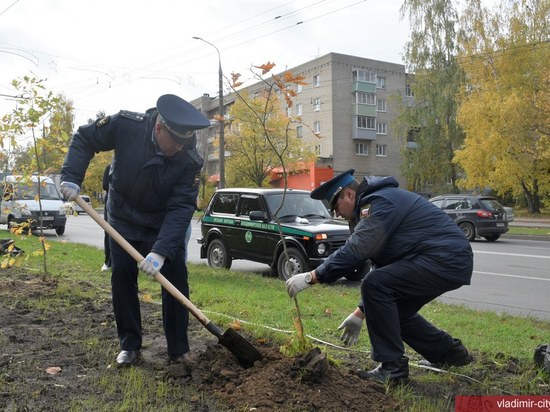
column 180, row 117
column 330, row 190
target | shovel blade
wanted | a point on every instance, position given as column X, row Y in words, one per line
column 243, row 350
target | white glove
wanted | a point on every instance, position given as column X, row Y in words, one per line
column 152, row 264
column 352, row 327
column 69, row 190
column 296, row 284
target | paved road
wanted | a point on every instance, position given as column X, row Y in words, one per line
column 510, row 275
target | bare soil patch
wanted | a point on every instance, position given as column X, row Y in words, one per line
column 57, row 344
column 53, row 350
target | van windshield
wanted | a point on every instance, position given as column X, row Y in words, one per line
column 297, row 204
column 23, row 191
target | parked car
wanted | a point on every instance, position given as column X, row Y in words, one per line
column 509, row 214
column 477, row 216
column 19, row 203
column 240, row 223
column 73, row 207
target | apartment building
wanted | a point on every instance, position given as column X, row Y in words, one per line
column 347, row 102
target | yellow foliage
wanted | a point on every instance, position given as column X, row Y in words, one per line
column 261, row 137
column 504, row 111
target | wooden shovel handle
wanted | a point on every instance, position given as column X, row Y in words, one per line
column 138, row 258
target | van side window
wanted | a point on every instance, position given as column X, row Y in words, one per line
column 226, row 204
column 248, row 204
column 8, row 190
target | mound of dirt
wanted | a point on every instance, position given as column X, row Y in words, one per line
column 44, row 363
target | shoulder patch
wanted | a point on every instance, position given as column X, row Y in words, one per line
column 138, row 117
column 196, row 179
column 103, row 121
column 365, row 211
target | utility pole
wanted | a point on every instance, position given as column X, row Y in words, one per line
column 220, row 110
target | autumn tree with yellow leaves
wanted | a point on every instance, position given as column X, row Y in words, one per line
column 260, row 135
column 36, row 130
column 505, row 109
column 263, row 137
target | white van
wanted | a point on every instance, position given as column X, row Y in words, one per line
column 73, row 207
column 19, row 203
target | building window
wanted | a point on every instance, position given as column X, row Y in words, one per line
column 381, row 128
column 364, row 122
column 299, row 109
column 408, row 91
column 365, row 98
column 316, row 104
column 317, row 127
column 381, row 150
column 299, row 131
column 363, row 76
column 316, row 80
column 299, row 88
column 381, row 82
column 361, row 149
column 288, row 111
column 381, row 105
column 317, row 149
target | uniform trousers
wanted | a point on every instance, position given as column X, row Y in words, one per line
column 392, row 296
column 126, row 305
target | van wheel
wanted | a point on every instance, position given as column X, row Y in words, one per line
column 468, row 230
column 217, row 255
column 492, row 238
column 60, row 230
column 295, row 264
column 11, row 223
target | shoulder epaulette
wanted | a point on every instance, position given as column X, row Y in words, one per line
column 194, row 153
column 138, row 117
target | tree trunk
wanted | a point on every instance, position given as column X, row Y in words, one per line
column 533, row 199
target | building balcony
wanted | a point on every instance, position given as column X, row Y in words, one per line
column 363, row 134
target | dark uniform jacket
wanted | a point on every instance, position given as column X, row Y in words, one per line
column 391, row 224
column 151, row 197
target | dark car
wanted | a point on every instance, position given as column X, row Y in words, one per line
column 477, row 216
column 240, row 224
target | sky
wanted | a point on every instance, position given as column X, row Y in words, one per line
column 123, row 54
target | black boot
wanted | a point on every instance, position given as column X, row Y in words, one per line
column 456, row 356
column 127, row 357
column 395, row 371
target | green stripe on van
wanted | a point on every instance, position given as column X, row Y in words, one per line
column 255, row 225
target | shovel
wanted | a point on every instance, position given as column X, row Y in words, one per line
column 243, row 350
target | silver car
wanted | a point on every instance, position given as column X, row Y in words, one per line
column 509, row 214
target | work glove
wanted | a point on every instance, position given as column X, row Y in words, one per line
column 296, row 284
column 352, row 327
column 69, row 190
column 152, row 264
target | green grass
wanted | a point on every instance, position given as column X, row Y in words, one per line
column 529, row 231
column 266, row 311
column 544, row 213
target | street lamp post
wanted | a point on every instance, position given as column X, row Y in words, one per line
column 221, row 120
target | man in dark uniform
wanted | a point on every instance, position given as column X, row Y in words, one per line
column 152, row 197
column 417, row 253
